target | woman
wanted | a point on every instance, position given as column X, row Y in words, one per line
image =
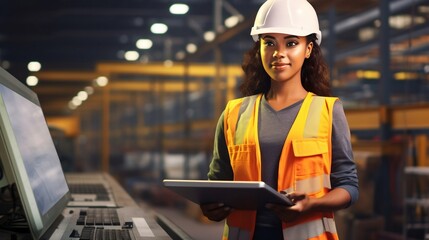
column 285, row 133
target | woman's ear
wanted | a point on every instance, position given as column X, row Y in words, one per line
column 309, row 49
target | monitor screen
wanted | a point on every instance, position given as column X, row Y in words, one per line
column 29, row 156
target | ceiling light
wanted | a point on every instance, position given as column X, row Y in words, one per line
column 34, row 66
column 377, row 23
column 76, row 101
column 89, row 90
column 405, row 21
column 400, row 21
column 168, row 63
column 366, row 33
column 72, row 106
column 233, row 21
column 131, row 55
column 82, row 95
column 144, row 44
column 101, row 81
column 32, row 81
column 209, row 36
column 419, row 20
column 424, row 9
column 180, row 55
column 158, row 28
column 179, row 8
column 191, row 48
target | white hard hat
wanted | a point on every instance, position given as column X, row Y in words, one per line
column 294, row 17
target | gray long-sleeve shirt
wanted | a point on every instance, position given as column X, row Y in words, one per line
column 273, row 128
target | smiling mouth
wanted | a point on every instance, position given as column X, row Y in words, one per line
column 280, row 66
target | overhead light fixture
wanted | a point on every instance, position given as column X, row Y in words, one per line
column 377, row 23
column 131, row 55
column 209, row 36
column 405, row 21
column 400, row 21
column 158, row 28
column 424, row 9
column 32, row 81
column 366, row 33
column 34, row 66
column 179, row 9
column 144, row 44
column 72, row 106
column 191, row 48
column 168, row 63
column 89, row 90
column 82, row 95
column 76, row 101
column 101, row 81
column 233, row 21
column 180, row 55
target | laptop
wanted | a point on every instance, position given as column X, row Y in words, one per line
column 30, row 169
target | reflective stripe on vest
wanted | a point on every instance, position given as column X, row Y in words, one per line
column 246, row 111
column 312, row 229
column 304, row 163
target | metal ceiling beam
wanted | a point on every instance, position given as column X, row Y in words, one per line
column 67, row 76
column 371, row 15
column 355, row 50
column 195, row 70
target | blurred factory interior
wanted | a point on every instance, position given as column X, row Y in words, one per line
column 135, row 87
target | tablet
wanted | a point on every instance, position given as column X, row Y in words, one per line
column 244, row 195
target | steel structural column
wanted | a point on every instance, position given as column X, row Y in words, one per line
column 382, row 197
column 331, row 41
column 386, row 75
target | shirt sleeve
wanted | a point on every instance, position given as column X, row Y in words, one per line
column 343, row 170
column 220, row 166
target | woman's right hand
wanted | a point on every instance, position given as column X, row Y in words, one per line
column 215, row 211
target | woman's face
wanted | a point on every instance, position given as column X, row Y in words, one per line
column 283, row 55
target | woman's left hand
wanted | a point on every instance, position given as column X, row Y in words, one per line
column 302, row 204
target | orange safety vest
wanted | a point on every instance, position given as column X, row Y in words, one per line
column 305, row 163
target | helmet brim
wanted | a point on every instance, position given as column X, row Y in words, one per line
column 290, row 31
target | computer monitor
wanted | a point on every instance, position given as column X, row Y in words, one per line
column 29, row 160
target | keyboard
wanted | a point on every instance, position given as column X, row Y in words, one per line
column 99, row 217
column 94, row 221
column 93, row 233
column 90, row 188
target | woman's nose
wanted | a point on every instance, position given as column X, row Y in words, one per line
column 279, row 53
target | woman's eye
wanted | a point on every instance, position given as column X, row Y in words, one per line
column 268, row 43
column 291, row 44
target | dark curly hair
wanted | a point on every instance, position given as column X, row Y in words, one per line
column 314, row 73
